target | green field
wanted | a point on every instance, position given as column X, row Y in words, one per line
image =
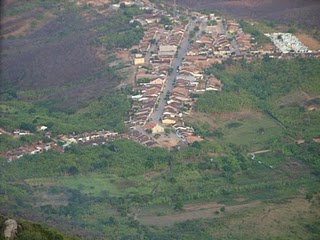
column 256, row 133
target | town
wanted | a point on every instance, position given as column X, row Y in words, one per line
column 169, row 72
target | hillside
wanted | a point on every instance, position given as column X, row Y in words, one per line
column 123, row 190
column 53, row 50
column 27, row 230
column 220, row 131
column 305, row 13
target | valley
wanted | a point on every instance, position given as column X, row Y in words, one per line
column 130, row 120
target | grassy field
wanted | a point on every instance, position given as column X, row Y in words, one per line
column 252, row 129
column 256, row 132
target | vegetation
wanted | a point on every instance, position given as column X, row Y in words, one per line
column 280, row 89
column 212, row 23
column 259, row 37
column 107, row 112
column 165, row 20
column 34, row 231
column 103, row 187
column 118, row 32
column 69, row 35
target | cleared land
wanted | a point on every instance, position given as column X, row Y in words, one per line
column 308, row 41
column 194, row 211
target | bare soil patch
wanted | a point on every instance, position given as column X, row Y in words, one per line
column 201, row 206
column 123, row 55
column 55, row 200
column 241, row 199
column 168, row 141
column 194, row 211
column 40, row 182
column 308, row 41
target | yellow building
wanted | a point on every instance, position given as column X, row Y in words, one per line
column 168, row 121
column 157, row 129
column 139, row 61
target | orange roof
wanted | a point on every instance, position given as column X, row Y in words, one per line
column 150, row 125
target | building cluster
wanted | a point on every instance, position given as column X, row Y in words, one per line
column 216, row 41
column 286, row 43
column 245, row 41
column 98, row 138
column 152, row 72
column 139, row 137
column 61, row 142
column 30, row 149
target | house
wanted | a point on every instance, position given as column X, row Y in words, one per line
column 181, row 91
column 139, row 61
column 157, row 81
column 169, row 121
column 167, row 50
column 42, row 128
column 157, row 129
column 21, row 132
column 150, row 125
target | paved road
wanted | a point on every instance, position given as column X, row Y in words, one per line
column 184, row 45
column 233, row 42
column 235, row 46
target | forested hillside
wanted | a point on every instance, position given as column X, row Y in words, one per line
column 65, row 52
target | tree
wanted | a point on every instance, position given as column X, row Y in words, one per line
column 165, row 20
column 178, row 206
column 73, row 170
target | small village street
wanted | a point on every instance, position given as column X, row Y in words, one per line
column 169, row 85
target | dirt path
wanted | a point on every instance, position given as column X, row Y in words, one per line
column 193, row 211
column 5, row 132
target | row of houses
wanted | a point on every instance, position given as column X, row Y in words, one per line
column 61, row 142
column 30, row 149
column 104, row 137
column 152, row 75
column 189, row 82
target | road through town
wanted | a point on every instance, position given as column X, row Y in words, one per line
column 177, row 61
